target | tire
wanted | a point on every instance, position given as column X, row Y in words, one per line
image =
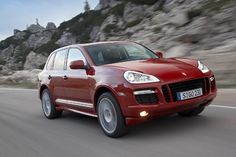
column 110, row 117
column 48, row 107
column 193, row 112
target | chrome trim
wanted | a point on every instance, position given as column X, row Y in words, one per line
column 140, row 92
column 76, row 103
column 80, row 112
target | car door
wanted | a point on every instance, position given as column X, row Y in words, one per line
column 57, row 75
column 77, row 82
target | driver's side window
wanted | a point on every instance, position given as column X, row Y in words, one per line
column 73, row 55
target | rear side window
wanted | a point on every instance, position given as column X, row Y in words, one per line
column 59, row 60
column 50, row 62
column 75, row 54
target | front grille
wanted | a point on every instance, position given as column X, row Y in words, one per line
column 185, row 86
column 147, row 98
column 166, row 93
column 207, row 85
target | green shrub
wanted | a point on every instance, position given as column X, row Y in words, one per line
column 41, row 66
column 110, row 27
column 82, row 25
column 8, row 41
column 142, row 2
column 133, row 23
column 194, row 13
column 118, row 9
column 2, row 62
column 157, row 29
column 215, row 5
column 47, row 48
column 11, row 41
column 21, row 54
column 27, row 34
column 56, row 36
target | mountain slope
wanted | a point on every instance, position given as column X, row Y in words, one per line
column 200, row 29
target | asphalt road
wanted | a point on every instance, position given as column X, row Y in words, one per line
column 25, row 132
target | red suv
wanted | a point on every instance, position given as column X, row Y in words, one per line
column 122, row 83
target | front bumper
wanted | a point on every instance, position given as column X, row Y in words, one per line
column 162, row 109
column 131, row 108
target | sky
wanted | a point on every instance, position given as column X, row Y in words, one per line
column 17, row 14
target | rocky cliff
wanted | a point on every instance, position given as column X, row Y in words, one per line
column 200, row 29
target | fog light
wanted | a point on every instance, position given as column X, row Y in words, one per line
column 212, row 78
column 143, row 114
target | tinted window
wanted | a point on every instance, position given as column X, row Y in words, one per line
column 60, row 60
column 74, row 54
column 134, row 51
column 118, row 52
column 50, row 62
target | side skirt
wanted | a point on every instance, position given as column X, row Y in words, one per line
column 81, row 112
column 76, row 103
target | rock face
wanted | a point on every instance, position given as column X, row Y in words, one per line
column 66, row 39
column 35, row 28
column 17, row 52
column 133, row 12
column 19, row 35
column 51, row 26
column 33, row 61
column 16, row 31
column 199, row 29
column 179, row 19
column 38, row 39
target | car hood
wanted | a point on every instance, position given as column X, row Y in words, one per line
column 164, row 69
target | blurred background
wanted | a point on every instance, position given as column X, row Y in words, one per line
column 199, row 29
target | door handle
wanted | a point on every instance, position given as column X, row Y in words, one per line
column 65, row 77
column 49, row 77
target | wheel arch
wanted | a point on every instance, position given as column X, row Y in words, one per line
column 103, row 89
column 41, row 90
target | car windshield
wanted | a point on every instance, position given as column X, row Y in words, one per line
column 109, row 53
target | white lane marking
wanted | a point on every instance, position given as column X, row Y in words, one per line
column 221, row 106
column 17, row 89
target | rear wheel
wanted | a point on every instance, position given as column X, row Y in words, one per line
column 110, row 117
column 193, row 112
column 48, row 107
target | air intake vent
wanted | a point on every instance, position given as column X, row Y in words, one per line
column 147, row 98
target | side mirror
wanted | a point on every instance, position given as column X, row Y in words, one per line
column 159, row 54
column 78, row 64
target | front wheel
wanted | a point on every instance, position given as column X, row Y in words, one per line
column 48, row 107
column 193, row 112
column 110, row 117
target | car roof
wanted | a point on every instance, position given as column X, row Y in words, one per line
column 94, row 43
column 102, row 42
column 90, row 44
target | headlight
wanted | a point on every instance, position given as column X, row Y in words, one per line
column 137, row 77
column 202, row 67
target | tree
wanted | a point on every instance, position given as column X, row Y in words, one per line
column 86, row 6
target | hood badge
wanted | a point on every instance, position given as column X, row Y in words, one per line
column 183, row 73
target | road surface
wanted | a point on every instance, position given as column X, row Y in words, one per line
column 25, row 132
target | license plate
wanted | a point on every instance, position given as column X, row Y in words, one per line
column 189, row 94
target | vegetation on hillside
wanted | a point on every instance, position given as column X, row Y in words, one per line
column 82, row 25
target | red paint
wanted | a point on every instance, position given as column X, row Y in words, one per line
column 82, row 85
